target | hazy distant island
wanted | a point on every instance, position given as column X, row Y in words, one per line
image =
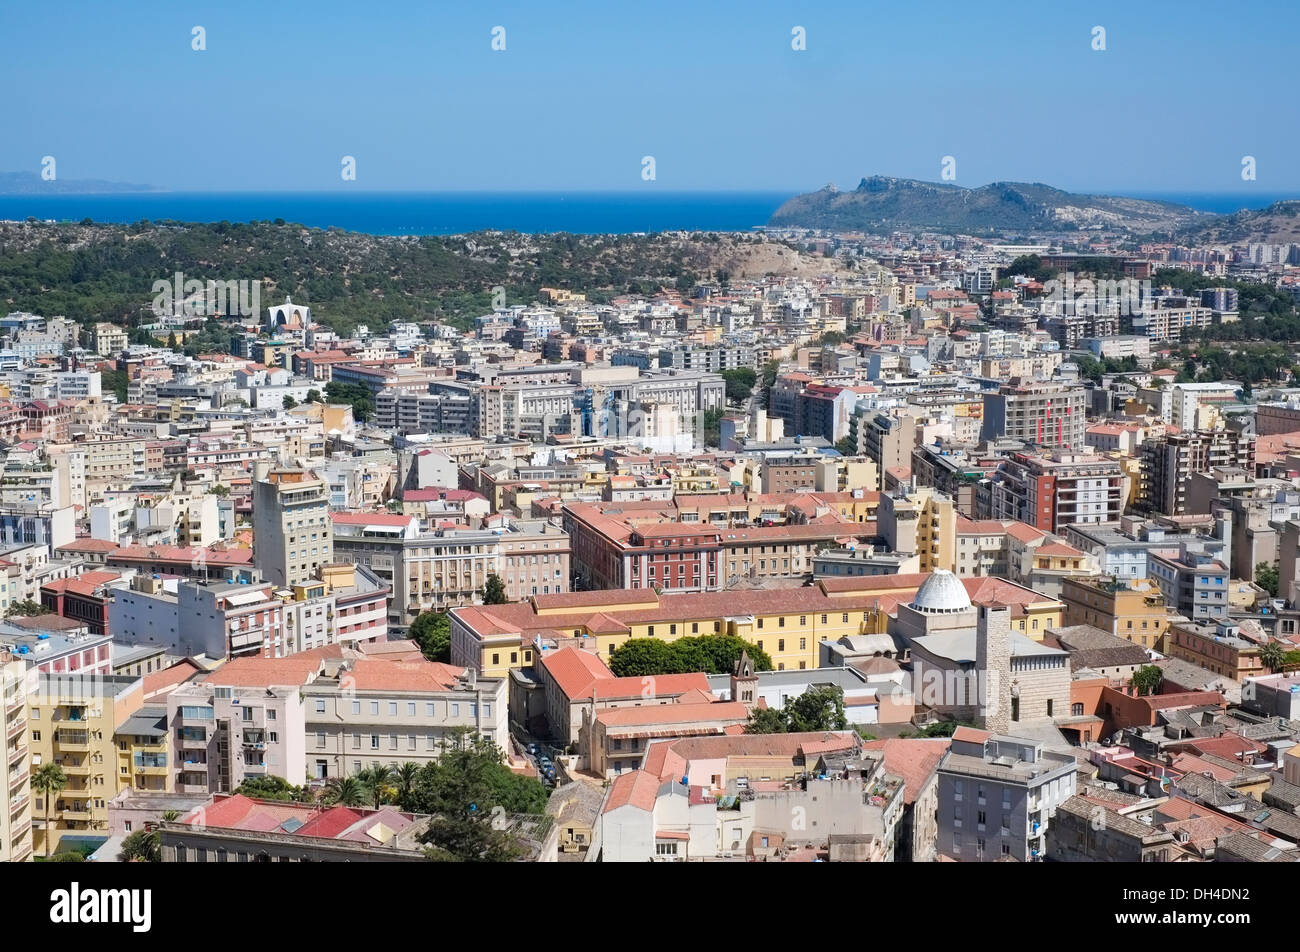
column 31, row 183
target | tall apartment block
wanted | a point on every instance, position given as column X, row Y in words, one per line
column 1050, row 415
column 292, row 533
column 1169, row 462
column 1052, row 492
column 15, row 772
column 73, row 722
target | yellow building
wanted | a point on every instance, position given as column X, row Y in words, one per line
column 73, row 723
column 1133, row 609
column 15, row 771
column 788, row 624
column 923, row 522
column 143, row 749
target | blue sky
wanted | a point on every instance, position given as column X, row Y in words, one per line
column 713, row 91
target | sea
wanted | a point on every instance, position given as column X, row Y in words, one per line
column 452, row 213
column 421, row 213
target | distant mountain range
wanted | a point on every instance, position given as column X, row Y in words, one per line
column 881, row 204
column 31, row 183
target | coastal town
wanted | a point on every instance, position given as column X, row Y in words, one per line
column 917, row 548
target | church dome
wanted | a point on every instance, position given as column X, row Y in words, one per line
column 941, row 592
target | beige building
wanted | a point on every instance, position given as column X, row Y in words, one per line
column 15, row 772
column 374, row 711
column 73, row 723
column 107, row 340
column 292, row 533
column 922, row 522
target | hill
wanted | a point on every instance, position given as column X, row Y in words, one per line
column 882, row 204
column 1279, row 223
column 91, row 272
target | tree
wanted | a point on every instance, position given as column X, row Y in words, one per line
column 376, row 780
column 767, row 720
column 313, row 396
column 432, row 632
column 289, row 402
column 1266, row 577
column 643, row 657
column 26, row 608
column 171, row 341
column 404, row 777
column 469, row 792
column 494, row 590
column 711, row 654
column 1273, row 656
column 48, row 780
column 142, row 846
column 1147, row 679
column 271, row 787
column 220, row 491
column 344, row 792
column 739, row 383
column 847, row 446
column 360, row 398
column 817, row 709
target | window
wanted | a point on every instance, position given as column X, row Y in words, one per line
column 410, row 708
column 374, row 741
column 392, row 708
column 780, row 644
column 428, row 709
column 320, row 738
column 320, row 705
column 374, row 707
column 356, row 707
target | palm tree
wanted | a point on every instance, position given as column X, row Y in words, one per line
column 376, row 779
column 48, row 779
column 344, row 792
column 1273, row 655
column 405, row 776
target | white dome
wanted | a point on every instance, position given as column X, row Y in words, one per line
column 941, row 592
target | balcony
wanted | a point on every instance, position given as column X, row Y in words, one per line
column 17, row 806
column 15, row 751
column 153, row 770
column 15, row 728
column 191, row 743
column 16, row 781
column 77, row 815
column 14, row 702
column 77, row 770
column 77, row 742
